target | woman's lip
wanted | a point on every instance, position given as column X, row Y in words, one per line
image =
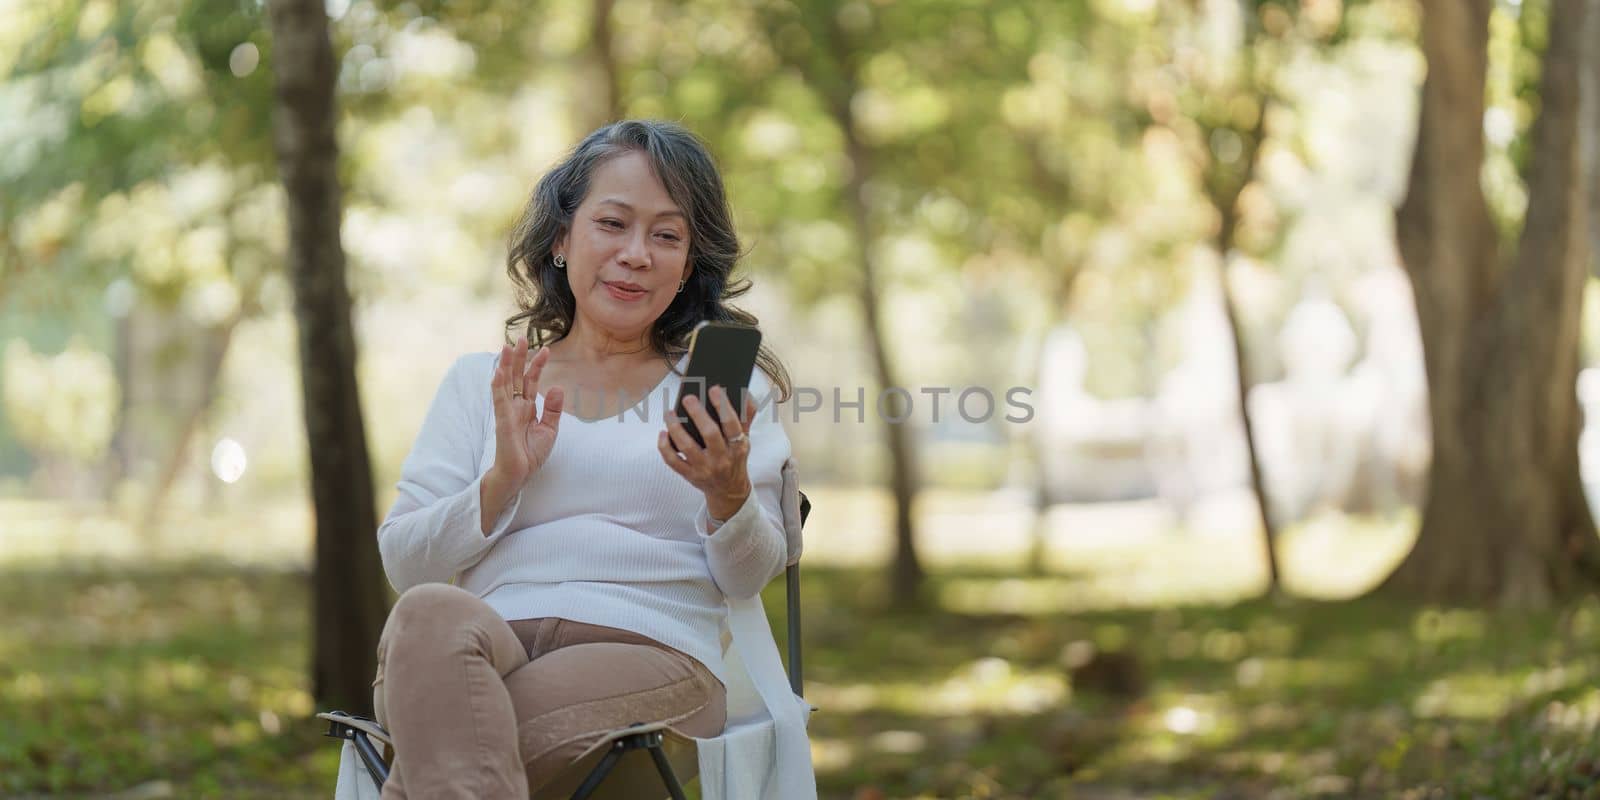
column 624, row 294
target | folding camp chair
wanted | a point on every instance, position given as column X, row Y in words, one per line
column 607, row 771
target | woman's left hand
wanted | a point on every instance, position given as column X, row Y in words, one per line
column 718, row 469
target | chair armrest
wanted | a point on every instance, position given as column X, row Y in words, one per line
column 360, row 731
column 366, row 725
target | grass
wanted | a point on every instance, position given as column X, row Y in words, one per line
column 188, row 681
column 186, row 677
column 1356, row 699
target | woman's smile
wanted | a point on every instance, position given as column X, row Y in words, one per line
column 624, row 291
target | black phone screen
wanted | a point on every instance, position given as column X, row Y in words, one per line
column 720, row 354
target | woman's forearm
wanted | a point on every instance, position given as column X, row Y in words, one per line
column 495, row 492
column 429, row 538
column 746, row 550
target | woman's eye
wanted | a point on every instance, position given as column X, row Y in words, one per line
column 669, row 236
column 609, row 223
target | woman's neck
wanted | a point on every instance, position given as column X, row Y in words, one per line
column 597, row 347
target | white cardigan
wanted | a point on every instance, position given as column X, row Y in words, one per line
column 606, row 534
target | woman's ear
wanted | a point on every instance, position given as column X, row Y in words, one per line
column 559, row 246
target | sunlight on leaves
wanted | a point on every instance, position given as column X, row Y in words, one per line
column 991, row 685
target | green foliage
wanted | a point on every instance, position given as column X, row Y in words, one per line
column 137, row 159
column 138, row 168
column 1517, row 34
column 108, row 97
column 1009, row 144
column 63, row 406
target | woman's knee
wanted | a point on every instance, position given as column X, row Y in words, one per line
column 440, row 620
column 433, row 600
column 427, row 609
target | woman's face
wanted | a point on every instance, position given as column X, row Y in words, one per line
column 627, row 250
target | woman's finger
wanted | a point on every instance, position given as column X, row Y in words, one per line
column 730, row 418
column 521, row 382
column 749, row 416
column 673, row 458
column 519, row 364
column 680, row 437
column 707, row 426
column 530, row 376
column 497, row 382
column 553, row 401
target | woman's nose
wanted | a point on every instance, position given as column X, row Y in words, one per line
column 634, row 252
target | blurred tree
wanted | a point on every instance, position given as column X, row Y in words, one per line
column 1075, row 178
column 349, row 593
column 63, row 407
column 212, row 353
column 1506, row 520
column 132, row 116
column 1224, row 183
column 1229, row 117
column 1591, row 134
column 602, row 44
column 829, row 45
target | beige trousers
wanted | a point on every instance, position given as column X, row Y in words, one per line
column 484, row 708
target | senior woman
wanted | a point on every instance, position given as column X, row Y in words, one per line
column 594, row 567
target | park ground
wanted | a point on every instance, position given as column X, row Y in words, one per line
column 1127, row 656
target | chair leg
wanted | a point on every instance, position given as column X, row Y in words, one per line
column 639, row 741
column 599, row 772
column 668, row 777
column 369, row 757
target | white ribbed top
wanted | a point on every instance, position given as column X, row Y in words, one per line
column 604, row 533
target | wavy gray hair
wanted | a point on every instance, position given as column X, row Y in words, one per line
column 684, row 166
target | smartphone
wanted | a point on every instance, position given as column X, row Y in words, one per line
column 720, row 354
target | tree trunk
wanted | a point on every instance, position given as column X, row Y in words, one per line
column 121, row 461
column 1241, row 360
column 1059, row 194
column 1505, row 519
column 834, row 78
column 348, row 587
column 214, row 345
column 1225, row 198
column 1591, row 130
column 1039, row 449
column 605, row 57
column 906, row 573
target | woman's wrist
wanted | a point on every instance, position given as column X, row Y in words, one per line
column 495, row 491
column 721, row 506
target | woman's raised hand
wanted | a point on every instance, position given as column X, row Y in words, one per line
column 522, row 442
